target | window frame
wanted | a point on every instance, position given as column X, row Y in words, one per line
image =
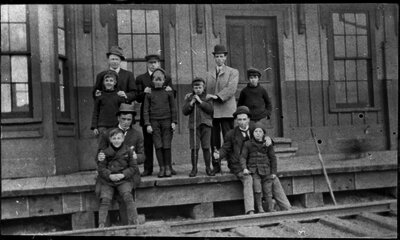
column 34, row 76
column 369, row 9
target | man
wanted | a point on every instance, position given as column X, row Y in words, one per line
column 221, row 87
column 143, row 85
column 133, row 140
column 126, row 80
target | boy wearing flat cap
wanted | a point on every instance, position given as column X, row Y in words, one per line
column 256, row 98
column 200, row 112
column 126, row 80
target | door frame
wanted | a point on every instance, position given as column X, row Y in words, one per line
column 278, row 12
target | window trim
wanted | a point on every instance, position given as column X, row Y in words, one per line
column 327, row 10
column 34, row 74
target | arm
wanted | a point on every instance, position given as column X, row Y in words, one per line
column 268, row 103
column 146, row 109
column 168, row 82
column 207, row 107
column 172, row 106
column 128, row 172
column 230, row 89
column 227, row 147
column 139, row 149
column 272, row 157
column 187, row 109
column 103, row 170
column 131, row 90
column 241, row 98
column 95, row 114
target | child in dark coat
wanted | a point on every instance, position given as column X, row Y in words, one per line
column 117, row 172
column 106, row 105
column 200, row 113
column 160, row 119
column 261, row 162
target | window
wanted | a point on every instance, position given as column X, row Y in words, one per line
column 15, row 62
column 351, row 59
column 139, row 34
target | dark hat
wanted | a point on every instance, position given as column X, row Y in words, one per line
column 218, row 49
column 111, row 73
column 258, row 125
column 253, row 72
column 198, row 79
column 242, row 110
column 127, row 108
column 116, row 51
column 158, row 69
column 152, row 56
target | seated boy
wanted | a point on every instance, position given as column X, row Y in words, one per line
column 117, row 172
column 261, row 162
column 200, row 113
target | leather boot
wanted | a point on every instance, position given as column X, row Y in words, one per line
column 207, row 161
column 216, row 166
column 257, row 198
column 173, row 172
column 160, row 159
column 105, row 204
column 194, row 158
column 167, row 161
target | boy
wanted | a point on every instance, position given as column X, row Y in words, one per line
column 256, row 98
column 261, row 162
column 106, row 105
column 160, row 118
column 200, row 113
column 117, row 171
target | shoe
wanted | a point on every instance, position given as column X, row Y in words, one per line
column 251, row 212
column 167, row 171
column 101, row 225
column 173, row 172
column 216, row 170
column 146, row 173
column 209, row 172
column 162, row 172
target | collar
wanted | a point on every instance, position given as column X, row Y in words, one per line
column 150, row 72
column 125, row 130
column 220, row 68
column 116, row 70
column 244, row 130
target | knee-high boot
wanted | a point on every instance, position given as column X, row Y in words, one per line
column 130, row 208
column 270, row 203
column 258, row 200
column 161, row 162
column 207, row 161
column 194, row 158
column 105, row 204
column 167, row 161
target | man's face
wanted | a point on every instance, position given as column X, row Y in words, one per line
column 114, row 61
column 153, row 64
column 198, row 89
column 109, row 83
column 125, row 120
column 220, row 59
column 117, row 139
column 158, row 79
column 258, row 134
column 243, row 120
column 253, row 80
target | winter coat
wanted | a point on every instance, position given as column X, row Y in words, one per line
column 257, row 100
column 259, row 157
column 204, row 111
column 105, row 108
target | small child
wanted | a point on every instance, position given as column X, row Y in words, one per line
column 256, row 98
column 106, row 105
column 201, row 121
column 160, row 118
column 117, row 171
column 261, row 162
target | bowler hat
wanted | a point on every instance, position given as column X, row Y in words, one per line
column 253, row 72
column 242, row 110
column 127, row 108
column 218, row 49
column 116, row 51
column 152, row 56
column 198, row 79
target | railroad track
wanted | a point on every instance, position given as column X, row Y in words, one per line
column 371, row 219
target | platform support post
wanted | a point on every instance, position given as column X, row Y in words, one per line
column 310, row 200
column 202, row 210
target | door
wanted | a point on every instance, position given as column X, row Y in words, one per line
column 252, row 42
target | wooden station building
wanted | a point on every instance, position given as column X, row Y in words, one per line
column 329, row 67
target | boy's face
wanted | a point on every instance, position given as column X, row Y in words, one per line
column 109, row 83
column 114, row 61
column 117, row 139
column 158, row 79
column 243, row 120
column 258, row 134
column 153, row 64
column 253, row 80
column 220, row 59
column 198, row 88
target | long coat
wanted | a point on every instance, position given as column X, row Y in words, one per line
column 126, row 83
column 259, row 157
column 232, row 148
column 225, row 88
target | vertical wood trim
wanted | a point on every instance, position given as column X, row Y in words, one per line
column 307, row 41
column 295, row 69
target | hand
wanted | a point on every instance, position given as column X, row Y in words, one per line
column 168, row 88
column 188, row 95
column 120, row 176
column 96, row 132
column 147, row 90
column 149, row 129
column 97, row 93
column 114, row 177
column 192, row 102
column 208, row 96
column 273, row 176
column 197, row 98
column 268, row 141
column 216, row 154
column 101, row 156
column 246, row 171
column 122, row 94
column 173, row 126
column 134, row 155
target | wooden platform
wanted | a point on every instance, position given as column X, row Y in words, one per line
column 74, row 193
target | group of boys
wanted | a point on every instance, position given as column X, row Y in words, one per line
column 211, row 107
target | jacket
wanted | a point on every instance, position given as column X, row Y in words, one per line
column 126, row 83
column 204, row 111
column 259, row 157
column 158, row 105
column 257, row 100
column 225, row 88
column 105, row 108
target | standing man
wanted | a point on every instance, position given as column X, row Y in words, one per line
column 143, row 84
column 126, row 80
column 221, row 87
